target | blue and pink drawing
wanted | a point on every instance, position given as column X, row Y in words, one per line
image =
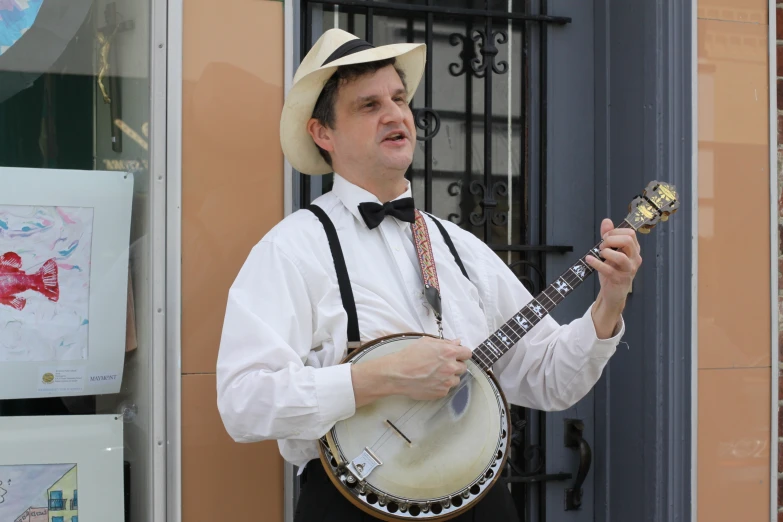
column 45, row 261
column 16, row 18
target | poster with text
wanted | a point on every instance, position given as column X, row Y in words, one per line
column 64, row 247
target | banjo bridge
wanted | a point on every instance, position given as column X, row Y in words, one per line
column 397, row 430
column 364, row 464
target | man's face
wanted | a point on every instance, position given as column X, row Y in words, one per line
column 374, row 130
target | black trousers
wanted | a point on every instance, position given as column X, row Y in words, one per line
column 320, row 501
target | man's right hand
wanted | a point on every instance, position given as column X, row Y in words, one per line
column 426, row 369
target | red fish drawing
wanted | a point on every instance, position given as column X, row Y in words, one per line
column 14, row 281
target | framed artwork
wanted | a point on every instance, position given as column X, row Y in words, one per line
column 64, row 248
column 61, row 468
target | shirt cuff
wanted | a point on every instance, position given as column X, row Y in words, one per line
column 595, row 347
column 334, row 389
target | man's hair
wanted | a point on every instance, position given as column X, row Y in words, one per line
column 324, row 106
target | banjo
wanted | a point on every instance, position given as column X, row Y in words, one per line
column 402, row 459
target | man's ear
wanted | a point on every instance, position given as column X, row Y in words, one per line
column 321, row 135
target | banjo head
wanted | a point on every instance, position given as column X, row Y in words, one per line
column 437, row 458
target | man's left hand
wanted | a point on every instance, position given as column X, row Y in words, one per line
column 618, row 269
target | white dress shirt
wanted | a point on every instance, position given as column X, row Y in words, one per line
column 285, row 331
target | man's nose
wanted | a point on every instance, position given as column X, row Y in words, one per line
column 392, row 112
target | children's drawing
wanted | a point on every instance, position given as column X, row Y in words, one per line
column 39, row 493
column 44, row 282
column 13, row 281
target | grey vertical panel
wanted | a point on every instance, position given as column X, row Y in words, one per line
column 674, row 332
column 645, row 428
column 571, row 220
column 626, row 403
column 603, row 442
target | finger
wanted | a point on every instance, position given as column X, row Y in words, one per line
column 599, row 266
column 628, row 232
column 617, row 260
column 464, row 353
column 620, row 232
column 621, row 242
column 625, row 244
column 617, row 240
column 461, row 368
column 617, row 237
column 452, row 368
column 606, row 226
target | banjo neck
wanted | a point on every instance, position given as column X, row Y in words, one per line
column 505, row 337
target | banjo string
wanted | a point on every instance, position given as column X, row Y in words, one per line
column 426, row 258
column 414, row 410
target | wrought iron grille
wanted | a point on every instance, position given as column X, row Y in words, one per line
column 481, row 113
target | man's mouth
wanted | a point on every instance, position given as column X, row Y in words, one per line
column 395, row 136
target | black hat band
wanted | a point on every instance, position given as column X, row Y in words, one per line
column 349, row 47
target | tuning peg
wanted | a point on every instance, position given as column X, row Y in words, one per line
column 665, row 217
column 644, row 230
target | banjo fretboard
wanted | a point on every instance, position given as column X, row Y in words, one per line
column 505, row 337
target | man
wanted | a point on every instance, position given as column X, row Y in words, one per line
column 286, row 330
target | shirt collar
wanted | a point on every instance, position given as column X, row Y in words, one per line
column 351, row 195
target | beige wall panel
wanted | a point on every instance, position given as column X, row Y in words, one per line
column 734, row 277
column 753, row 11
column 232, row 187
column 732, row 76
column 733, row 449
column 221, row 479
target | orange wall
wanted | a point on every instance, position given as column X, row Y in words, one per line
column 734, row 284
column 232, row 193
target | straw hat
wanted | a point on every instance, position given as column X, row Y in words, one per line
column 333, row 49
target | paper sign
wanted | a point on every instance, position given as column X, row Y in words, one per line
column 64, row 256
column 63, row 380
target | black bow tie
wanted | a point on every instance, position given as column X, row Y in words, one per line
column 373, row 213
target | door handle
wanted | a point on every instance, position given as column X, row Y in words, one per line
column 574, row 428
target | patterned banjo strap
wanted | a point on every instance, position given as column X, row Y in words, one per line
column 421, row 240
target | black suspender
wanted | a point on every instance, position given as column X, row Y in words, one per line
column 342, row 277
column 344, row 282
column 449, row 243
